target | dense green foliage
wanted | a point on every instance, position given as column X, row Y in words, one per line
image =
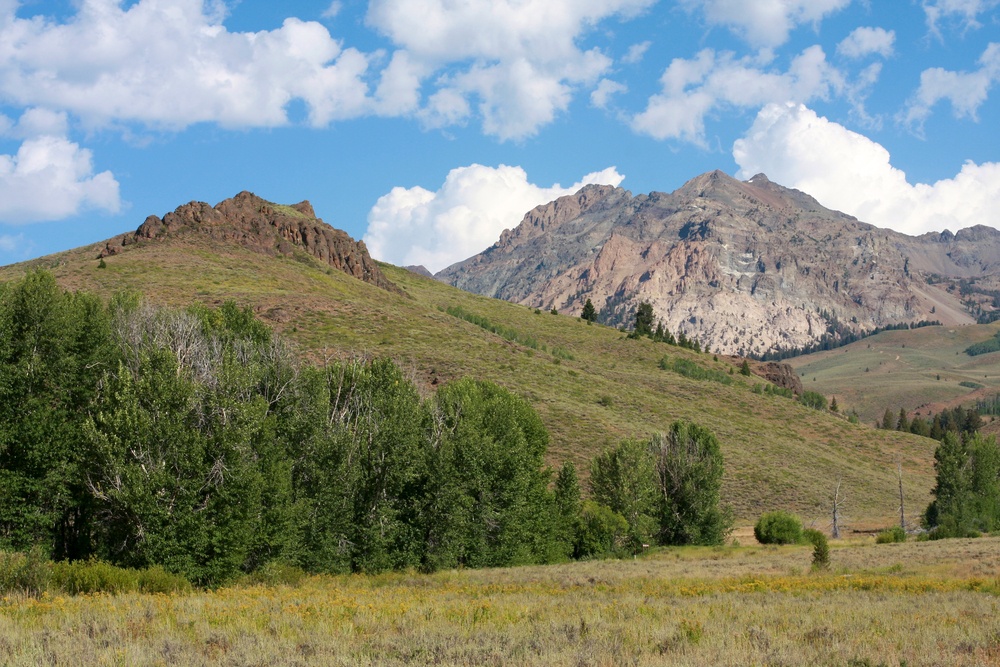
column 191, row 440
column 667, row 489
column 891, row 535
column 813, row 400
column 985, row 347
column 967, row 494
column 589, row 312
column 958, row 421
column 778, row 527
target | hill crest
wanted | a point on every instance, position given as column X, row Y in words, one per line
column 263, row 226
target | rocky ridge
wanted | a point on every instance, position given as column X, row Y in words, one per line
column 743, row 266
column 265, row 227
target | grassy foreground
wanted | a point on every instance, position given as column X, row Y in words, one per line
column 927, row 603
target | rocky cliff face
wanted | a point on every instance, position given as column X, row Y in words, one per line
column 268, row 228
column 745, row 267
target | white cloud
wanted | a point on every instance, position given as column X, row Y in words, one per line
column 516, row 61
column 410, row 226
column 765, row 23
column 965, row 90
column 605, row 90
column 172, row 64
column 636, row 52
column 333, row 10
column 867, row 41
column 50, row 177
column 693, row 88
column 964, row 12
column 848, row 172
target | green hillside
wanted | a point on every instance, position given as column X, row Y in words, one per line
column 920, row 370
column 591, row 386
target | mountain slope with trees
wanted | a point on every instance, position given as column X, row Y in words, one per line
column 591, row 386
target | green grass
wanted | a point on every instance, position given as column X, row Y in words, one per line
column 921, row 369
column 595, row 388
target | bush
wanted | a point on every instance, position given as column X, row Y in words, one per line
column 891, row 535
column 778, row 527
column 821, row 548
column 24, row 573
column 600, row 532
column 275, row 574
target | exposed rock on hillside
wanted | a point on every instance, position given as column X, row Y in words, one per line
column 268, row 228
column 744, row 267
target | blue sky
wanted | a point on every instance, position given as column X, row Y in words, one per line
column 427, row 127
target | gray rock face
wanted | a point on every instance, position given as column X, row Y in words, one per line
column 744, row 267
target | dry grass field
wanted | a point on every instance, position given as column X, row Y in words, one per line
column 918, row 603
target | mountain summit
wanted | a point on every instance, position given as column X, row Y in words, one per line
column 745, row 267
column 262, row 226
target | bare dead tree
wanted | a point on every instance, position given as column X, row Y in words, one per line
column 837, row 502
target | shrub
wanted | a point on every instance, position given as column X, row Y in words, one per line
column 600, row 532
column 891, row 535
column 778, row 527
column 24, row 573
column 821, row 548
column 275, row 574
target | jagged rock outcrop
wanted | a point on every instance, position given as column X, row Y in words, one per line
column 780, row 375
column 264, row 227
column 745, row 267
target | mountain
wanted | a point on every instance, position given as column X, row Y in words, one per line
column 745, row 267
column 591, row 385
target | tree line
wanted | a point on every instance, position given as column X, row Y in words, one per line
column 196, row 440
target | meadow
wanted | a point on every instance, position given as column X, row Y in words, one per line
column 916, row 603
column 924, row 369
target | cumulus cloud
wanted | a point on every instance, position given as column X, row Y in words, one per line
column 692, row 88
column 51, row 177
column 965, row 90
column 764, row 23
column 413, row 226
column 848, row 172
column 517, row 62
column 865, row 41
column 172, row 64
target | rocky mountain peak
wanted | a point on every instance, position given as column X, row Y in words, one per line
column 263, row 226
column 746, row 267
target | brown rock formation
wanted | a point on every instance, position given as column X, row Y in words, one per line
column 744, row 267
column 271, row 229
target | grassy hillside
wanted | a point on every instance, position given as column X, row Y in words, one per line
column 920, row 370
column 590, row 384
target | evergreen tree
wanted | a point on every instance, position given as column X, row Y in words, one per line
column 902, row 423
column 589, row 312
column 888, row 420
column 833, row 405
column 644, row 319
column 745, row 368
